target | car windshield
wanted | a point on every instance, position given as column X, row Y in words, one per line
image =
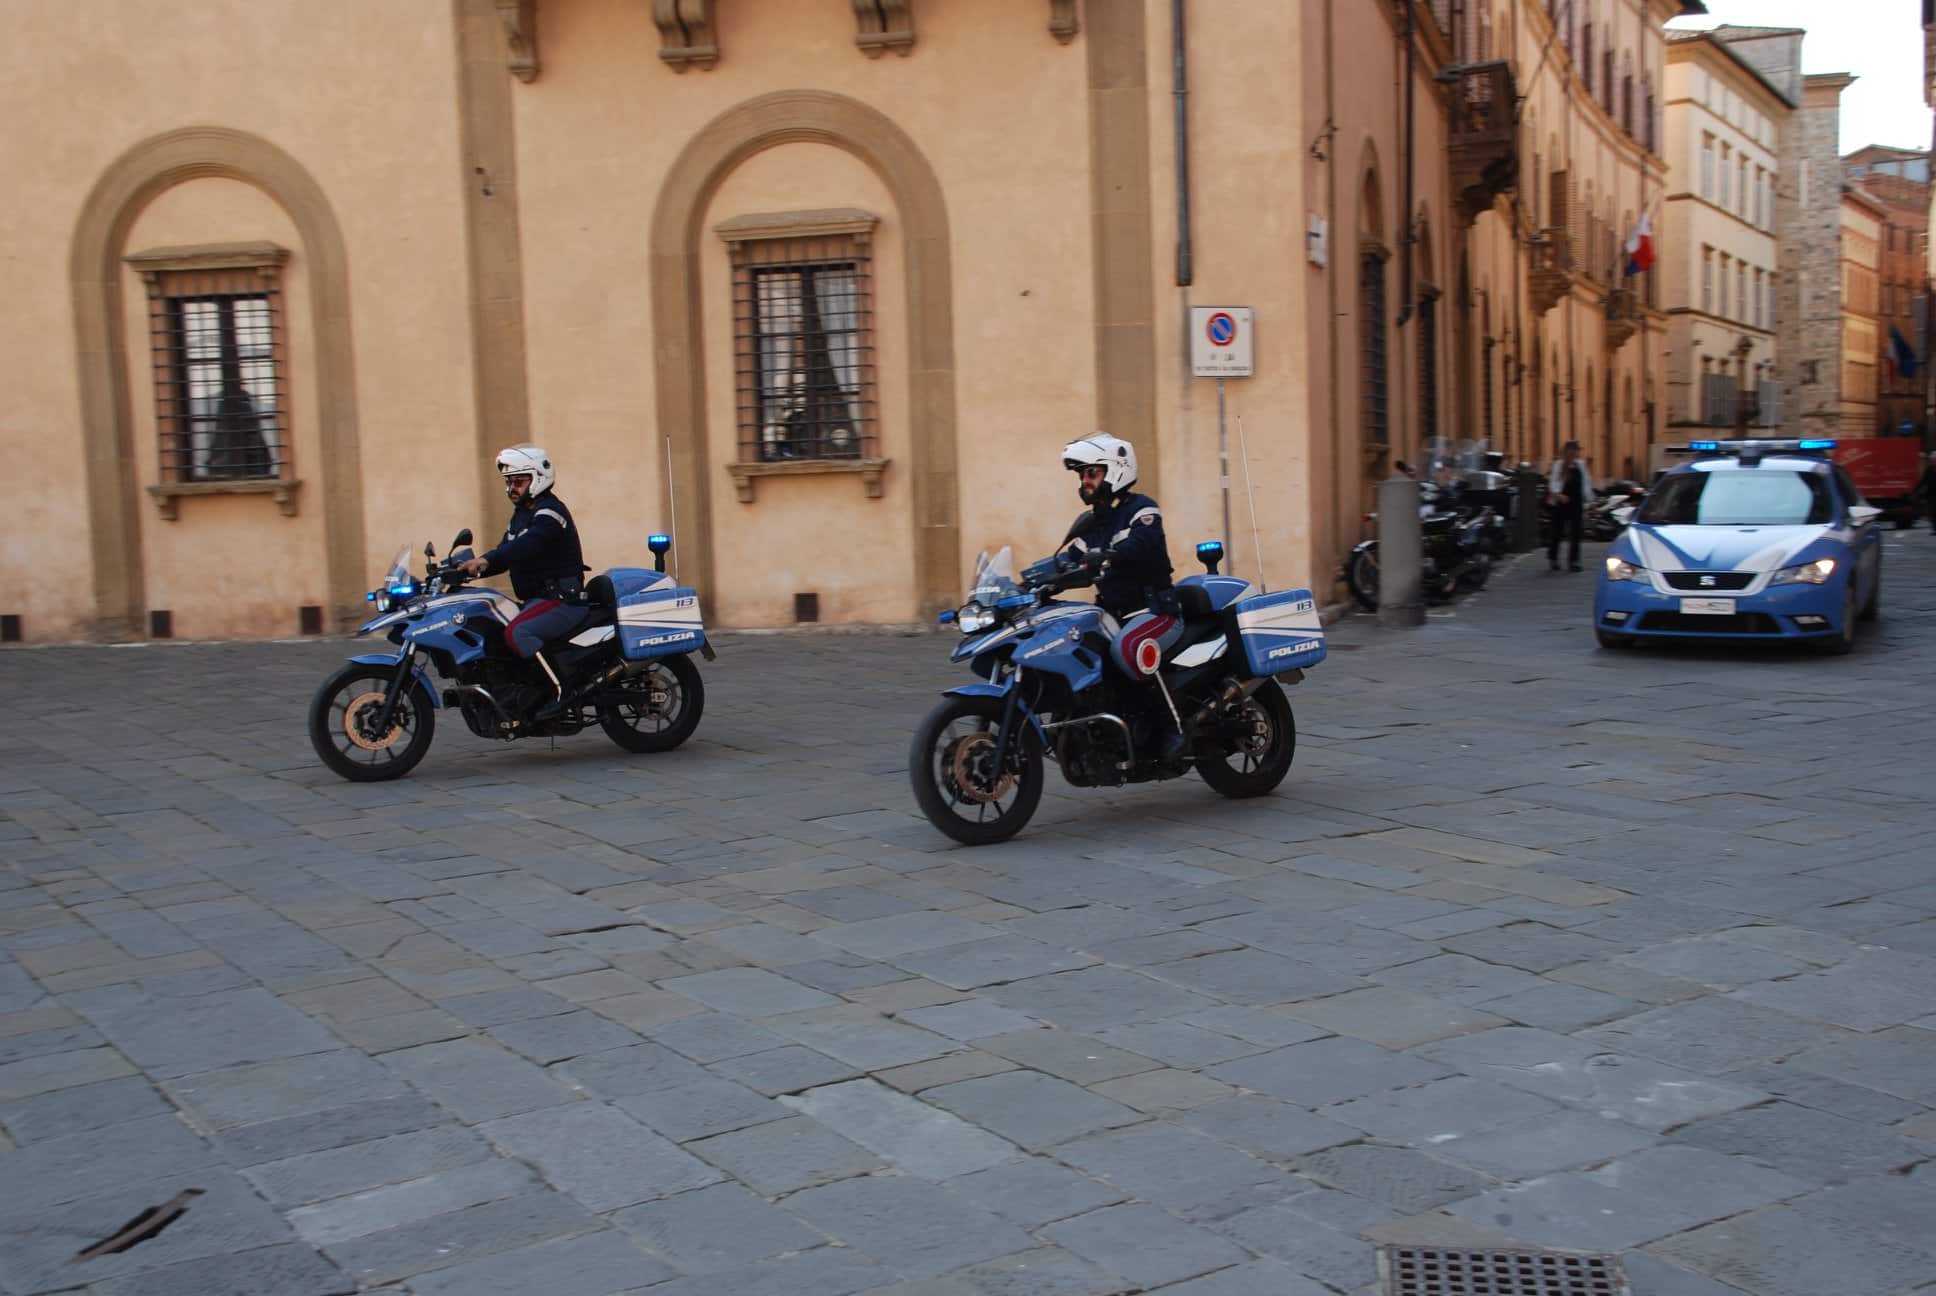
column 1738, row 497
column 994, row 577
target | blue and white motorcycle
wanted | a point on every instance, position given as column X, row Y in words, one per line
column 628, row 668
column 1051, row 691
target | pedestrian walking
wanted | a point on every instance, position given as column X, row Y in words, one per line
column 1568, row 486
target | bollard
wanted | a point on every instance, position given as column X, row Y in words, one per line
column 1401, row 554
column 1525, row 510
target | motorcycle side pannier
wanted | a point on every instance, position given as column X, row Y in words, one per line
column 655, row 617
column 1281, row 632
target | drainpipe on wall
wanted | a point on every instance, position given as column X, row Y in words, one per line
column 1405, row 215
column 1342, row 480
column 1180, row 81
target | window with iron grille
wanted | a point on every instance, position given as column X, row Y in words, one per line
column 217, row 338
column 1376, row 418
column 1428, row 364
column 803, row 337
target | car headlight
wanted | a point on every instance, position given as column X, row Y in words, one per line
column 974, row 618
column 1620, row 569
column 1808, row 573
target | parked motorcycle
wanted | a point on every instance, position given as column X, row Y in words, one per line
column 627, row 668
column 1607, row 516
column 1049, row 691
column 1457, row 556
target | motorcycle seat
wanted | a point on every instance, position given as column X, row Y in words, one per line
column 1194, row 633
column 599, row 592
column 1194, row 602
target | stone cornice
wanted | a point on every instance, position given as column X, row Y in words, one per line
column 520, row 19
column 209, row 256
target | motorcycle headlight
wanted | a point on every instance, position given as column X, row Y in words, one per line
column 974, row 618
column 1620, row 569
column 1808, row 573
column 382, row 600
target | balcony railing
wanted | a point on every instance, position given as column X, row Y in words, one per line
column 1552, row 268
column 1484, row 135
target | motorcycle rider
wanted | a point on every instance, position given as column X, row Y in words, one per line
column 1121, row 540
column 541, row 551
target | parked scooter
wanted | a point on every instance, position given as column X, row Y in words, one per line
column 1607, row 516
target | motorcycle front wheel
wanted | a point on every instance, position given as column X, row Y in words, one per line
column 958, row 783
column 1255, row 743
column 1361, row 574
column 662, row 706
column 342, row 725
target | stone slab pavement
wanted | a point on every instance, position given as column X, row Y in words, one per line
column 1539, row 944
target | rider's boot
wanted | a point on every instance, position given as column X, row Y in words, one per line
column 553, row 709
column 1172, row 745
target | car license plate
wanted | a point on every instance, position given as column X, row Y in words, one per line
column 1708, row 606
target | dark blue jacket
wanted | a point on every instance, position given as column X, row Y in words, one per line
column 1131, row 529
column 540, row 549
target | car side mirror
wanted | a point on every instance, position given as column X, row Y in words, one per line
column 1863, row 514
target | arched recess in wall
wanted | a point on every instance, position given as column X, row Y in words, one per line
column 678, row 353
column 94, row 270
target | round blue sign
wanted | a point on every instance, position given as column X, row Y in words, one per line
column 1221, row 329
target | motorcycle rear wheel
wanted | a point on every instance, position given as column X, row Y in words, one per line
column 655, row 724
column 341, row 716
column 1256, row 765
column 1361, row 574
column 950, row 765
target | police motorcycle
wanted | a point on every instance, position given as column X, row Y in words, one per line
column 1050, row 691
column 627, row 668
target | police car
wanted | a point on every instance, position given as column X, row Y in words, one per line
column 1750, row 539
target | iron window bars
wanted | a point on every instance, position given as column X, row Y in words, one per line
column 803, row 344
column 217, row 341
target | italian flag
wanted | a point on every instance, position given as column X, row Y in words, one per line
column 1640, row 245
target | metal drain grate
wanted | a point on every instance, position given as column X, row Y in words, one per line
column 1436, row 1271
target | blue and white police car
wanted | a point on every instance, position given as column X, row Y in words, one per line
column 1750, row 539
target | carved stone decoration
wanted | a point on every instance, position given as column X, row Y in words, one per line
column 884, row 25
column 869, row 471
column 686, row 30
column 520, row 19
column 1063, row 24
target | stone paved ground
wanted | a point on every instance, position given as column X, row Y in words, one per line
column 1616, row 951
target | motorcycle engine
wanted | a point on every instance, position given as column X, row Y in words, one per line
column 1090, row 755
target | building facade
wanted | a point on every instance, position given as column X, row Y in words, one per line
column 1898, row 179
column 821, row 289
column 1724, row 124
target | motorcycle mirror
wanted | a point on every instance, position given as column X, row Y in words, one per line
column 430, row 550
column 463, row 538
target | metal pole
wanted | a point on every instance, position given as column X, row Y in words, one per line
column 1401, row 554
column 1223, row 466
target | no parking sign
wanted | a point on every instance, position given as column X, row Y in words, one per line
column 1220, row 341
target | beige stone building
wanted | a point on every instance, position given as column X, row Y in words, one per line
column 1724, row 121
column 1861, row 249
column 821, row 288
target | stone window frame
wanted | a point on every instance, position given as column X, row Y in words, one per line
column 740, row 233
column 164, row 269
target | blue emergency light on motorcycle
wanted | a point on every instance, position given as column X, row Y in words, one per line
column 659, row 545
column 1210, row 553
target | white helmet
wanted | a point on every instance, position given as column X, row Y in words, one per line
column 528, row 461
column 1115, row 455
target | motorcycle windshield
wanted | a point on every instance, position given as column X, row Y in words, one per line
column 994, row 577
column 399, row 573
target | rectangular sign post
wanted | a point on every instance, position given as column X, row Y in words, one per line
column 1220, row 348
